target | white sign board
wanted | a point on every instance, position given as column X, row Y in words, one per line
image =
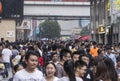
column 10, row 34
column 26, row 24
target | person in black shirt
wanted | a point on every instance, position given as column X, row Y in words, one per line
column 88, row 76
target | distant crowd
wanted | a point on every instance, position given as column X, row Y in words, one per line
column 56, row 60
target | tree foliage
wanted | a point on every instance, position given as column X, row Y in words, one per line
column 49, row 29
column 85, row 31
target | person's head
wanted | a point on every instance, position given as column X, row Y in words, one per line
column 108, row 50
column 84, row 58
column 80, row 68
column 65, row 54
column 6, row 46
column 2, row 40
column 116, row 48
column 73, row 46
column 54, row 57
column 50, row 69
column 31, row 48
column 69, row 69
column 18, row 67
column 118, row 61
column 54, row 47
column 94, row 44
column 75, row 56
column 1, row 46
column 102, row 72
column 95, row 62
column 11, row 47
column 101, row 52
column 83, row 45
column 31, row 60
column 22, row 52
column 111, row 69
column 37, row 45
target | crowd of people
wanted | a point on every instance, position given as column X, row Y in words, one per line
column 56, row 60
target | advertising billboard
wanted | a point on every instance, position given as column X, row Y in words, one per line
column 11, row 9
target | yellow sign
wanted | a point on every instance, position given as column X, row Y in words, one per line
column 101, row 29
column 108, row 5
column 117, row 4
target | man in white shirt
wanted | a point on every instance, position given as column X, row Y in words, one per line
column 110, row 55
column 6, row 55
column 54, row 58
column 30, row 73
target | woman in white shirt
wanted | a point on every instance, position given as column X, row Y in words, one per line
column 70, row 74
column 50, row 69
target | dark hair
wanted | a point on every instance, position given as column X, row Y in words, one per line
column 96, row 60
column 48, row 64
column 99, row 51
column 111, row 69
column 38, row 44
column 82, row 44
column 102, row 72
column 30, row 52
column 87, row 50
column 83, row 55
column 73, row 46
column 54, row 53
column 30, row 48
column 17, row 66
column 14, row 46
column 6, row 45
column 118, row 59
column 94, row 43
column 64, row 52
column 69, row 69
column 38, row 53
column 1, row 44
column 75, row 53
column 80, row 64
column 54, row 47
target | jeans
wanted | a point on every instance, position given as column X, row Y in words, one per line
column 7, row 68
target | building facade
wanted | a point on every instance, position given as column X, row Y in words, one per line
column 8, row 30
column 61, row 0
column 115, row 20
column 99, row 21
column 105, row 15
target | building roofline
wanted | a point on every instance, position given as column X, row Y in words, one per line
column 55, row 3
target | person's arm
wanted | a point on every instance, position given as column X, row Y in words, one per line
column 114, row 59
column 10, row 54
column 2, row 54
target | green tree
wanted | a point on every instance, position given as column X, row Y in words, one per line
column 85, row 31
column 49, row 29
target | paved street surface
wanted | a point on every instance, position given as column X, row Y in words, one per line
column 6, row 79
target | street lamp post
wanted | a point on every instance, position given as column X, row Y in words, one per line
column 92, row 32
